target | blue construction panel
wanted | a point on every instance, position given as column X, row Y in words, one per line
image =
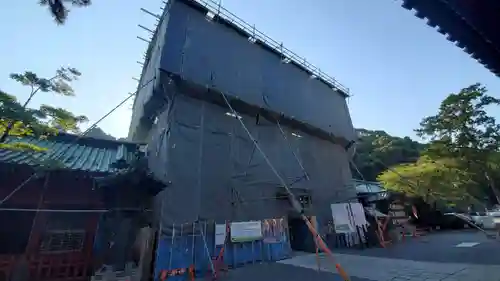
column 279, row 251
column 244, row 253
column 204, row 253
column 174, row 253
column 184, row 251
column 240, row 254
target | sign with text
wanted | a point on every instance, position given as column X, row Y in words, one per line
column 246, row 231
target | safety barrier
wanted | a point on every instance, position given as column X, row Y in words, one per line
column 193, row 245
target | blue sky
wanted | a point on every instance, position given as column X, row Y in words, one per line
column 398, row 69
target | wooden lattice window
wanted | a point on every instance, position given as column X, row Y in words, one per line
column 64, row 232
column 62, row 241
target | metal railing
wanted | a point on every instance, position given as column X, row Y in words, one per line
column 255, row 34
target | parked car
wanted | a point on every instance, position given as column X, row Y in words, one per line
column 493, row 213
column 457, row 221
column 494, row 218
column 479, row 218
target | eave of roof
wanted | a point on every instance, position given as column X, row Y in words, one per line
column 460, row 27
column 73, row 153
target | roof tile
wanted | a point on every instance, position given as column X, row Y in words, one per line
column 86, row 154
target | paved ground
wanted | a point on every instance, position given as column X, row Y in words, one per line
column 441, row 247
column 386, row 269
column 283, row 272
column 435, row 257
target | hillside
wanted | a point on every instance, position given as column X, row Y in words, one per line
column 376, row 149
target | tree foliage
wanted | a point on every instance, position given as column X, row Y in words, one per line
column 59, row 8
column 462, row 157
column 62, row 119
column 463, row 124
column 441, row 180
column 376, row 150
column 19, row 120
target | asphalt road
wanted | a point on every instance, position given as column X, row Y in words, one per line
column 440, row 247
column 282, row 272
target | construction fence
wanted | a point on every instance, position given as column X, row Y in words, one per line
column 203, row 245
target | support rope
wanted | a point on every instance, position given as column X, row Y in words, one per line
column 212, row 267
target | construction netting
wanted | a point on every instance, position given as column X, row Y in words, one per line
column 215, row 172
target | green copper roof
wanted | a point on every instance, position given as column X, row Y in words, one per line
column 85, row 154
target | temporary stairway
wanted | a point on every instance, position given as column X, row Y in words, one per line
column 402, row 221
column 409, row 230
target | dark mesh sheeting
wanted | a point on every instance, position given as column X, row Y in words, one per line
column 210, row 162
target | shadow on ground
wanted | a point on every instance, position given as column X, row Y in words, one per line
column 282, row 272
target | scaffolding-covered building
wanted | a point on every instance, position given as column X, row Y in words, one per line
column 218, row 102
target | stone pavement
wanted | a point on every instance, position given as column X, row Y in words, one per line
column 387, row 269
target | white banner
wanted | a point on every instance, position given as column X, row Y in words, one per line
column 220, row 234
column 246, row 231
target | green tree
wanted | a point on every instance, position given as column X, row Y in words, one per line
column 62, row 119
column 443, row 180
column 463, row 130
column 58, row 84
column 59, row 8
column 461, row 161
column 18, row 120
column 14, row 117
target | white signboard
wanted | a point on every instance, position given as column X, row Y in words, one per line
column 246, row 231
column 341, row 218
column 220, row 234
column 358, row 213
column 347, row 216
